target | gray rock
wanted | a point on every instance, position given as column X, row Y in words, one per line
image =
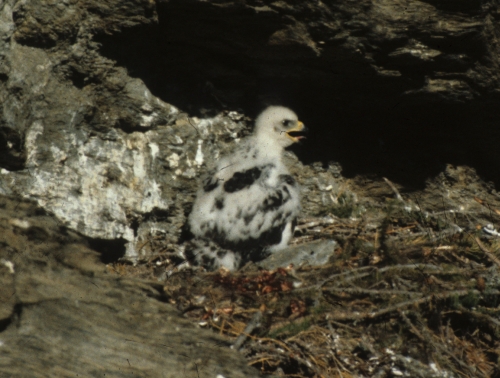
column 314, row 254
column 63, row 314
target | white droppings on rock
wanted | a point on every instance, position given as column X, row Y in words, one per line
column 20, row 223
column 32, row 134
column 173, row 110
column 73, row 115
column 153, row 192
column 41, row 67
column 178, row 140
column 82, row 193
column 147, row 120
column 9, row 265
column 199, row 154
column 204, row 126
column 154, row 150
column 189, row 173
column 82, row 158
column 58, row 154
column 173, row 161
column 396, row 372
column 139, row 168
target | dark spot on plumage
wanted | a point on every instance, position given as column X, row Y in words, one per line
column 219, row 203
column 273, row 201
column 248, row 218
column 287, row 179
column 242, row 180
column 189, row 254
column 278, row 217
column 238, row 213
column 207, row 260
column 186, row 233
column 212, row 248
column 252, row 249
column 221, row 254
column 272, row 236
column 285, row 189
column 210, row 184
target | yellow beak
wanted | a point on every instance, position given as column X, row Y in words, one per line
column 299, row 128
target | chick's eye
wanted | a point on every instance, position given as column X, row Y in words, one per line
column 286, row 122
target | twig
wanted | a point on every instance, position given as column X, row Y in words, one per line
column 395, row 190
column 412, row 302
column 338, row 324
column 490, row 255
column 370, row 291
column 254, row 322
column 342, row 279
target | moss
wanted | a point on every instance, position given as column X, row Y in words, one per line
column 491, row 298
column 470, row 300
column 320, row 309
column 347, row 206
column 363, row 247
column 290, row 329
column 454, row 302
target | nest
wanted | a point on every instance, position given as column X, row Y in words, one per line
column 407, row 292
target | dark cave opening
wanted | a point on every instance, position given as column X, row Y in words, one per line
column 110, row 250
column 204, row 59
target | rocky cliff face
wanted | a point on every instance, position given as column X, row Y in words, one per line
column 111, row 111
column 62, row 314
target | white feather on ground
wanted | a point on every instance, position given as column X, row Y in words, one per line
column 247, row 206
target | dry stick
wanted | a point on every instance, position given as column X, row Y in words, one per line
column 490, row 255
column 394, row 189
column 341, row 325
column 254, row 322
column 374, row 269
column 337, row 366
column 314, row 223
column 418, row 301
column 370, row 291
column 339, row 275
